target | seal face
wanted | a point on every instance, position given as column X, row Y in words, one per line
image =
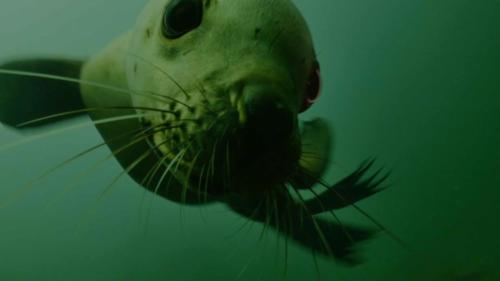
column 235, row 76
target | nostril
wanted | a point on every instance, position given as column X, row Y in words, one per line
column 267, row 116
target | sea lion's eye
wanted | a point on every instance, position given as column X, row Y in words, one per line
column 313, row 89
column 182, row 16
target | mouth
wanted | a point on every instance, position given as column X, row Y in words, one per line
column 248, row 145
column 227, row 158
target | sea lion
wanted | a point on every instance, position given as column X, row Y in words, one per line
column 199, row 103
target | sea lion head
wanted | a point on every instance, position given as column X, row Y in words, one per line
column 231, row 77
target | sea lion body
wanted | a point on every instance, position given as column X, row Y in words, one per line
column 199, row 102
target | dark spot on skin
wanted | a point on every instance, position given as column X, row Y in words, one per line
column 257, row 32
column 176, row 138
column 172, row 105
column 174, row 149
column 170, row 52
column 148, row 33
column 146, row 123
column 136, row 67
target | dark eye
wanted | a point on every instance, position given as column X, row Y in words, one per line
column 182, row 16
column 313, row 89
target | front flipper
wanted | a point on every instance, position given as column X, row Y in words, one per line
column 28, row 92
column 349, row 190
column 316, row 138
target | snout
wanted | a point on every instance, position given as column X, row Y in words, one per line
column 267, row 144
column 267, row 117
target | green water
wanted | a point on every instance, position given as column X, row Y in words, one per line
column 415, row 83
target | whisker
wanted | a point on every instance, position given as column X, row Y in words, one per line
column 250, row 218
column 280, row 225
column 227, row 177
column 289, row 229
column 167, row 170
column 115, row 152
column 168, row 98
column 108, row 188
column 21, row 190
column 174, row 81
column 162, row 71
column 315, row 223
column 92, row 109
column 267, row 221
column 176, row 169
column 200, row 180
column 68, row 128
column 74, row 80
column 133, row 165
column 275, row 210
column 337, row 219
column 203, row 94
column 146, row 181
column 211, row 169
column 365, row 214
column 316, row 265
column 188, row 176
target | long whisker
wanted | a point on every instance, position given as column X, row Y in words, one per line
column 316, row 265
column 188, row 176
column 114, row 152
column 162, row 71
column 127, row 170
column 348, row 235
column 206, row 101
column 92, row 109
column 20, row 191
column 250, row 219
column 227, row 177
column 77, row 126
column 210, row 169
column 365, row 214
column 76, row 81
column 152, row 173
column 289, row 229
column 315, row 223
column 138, row 161
column 154, row 170
column 267, row 221
column 200, row 180
column 176, row 83
column 163, row 97
column 167, row 170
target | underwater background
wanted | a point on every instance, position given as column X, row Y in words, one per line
column 414, row 83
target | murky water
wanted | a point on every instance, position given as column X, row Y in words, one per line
column 415, row 84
